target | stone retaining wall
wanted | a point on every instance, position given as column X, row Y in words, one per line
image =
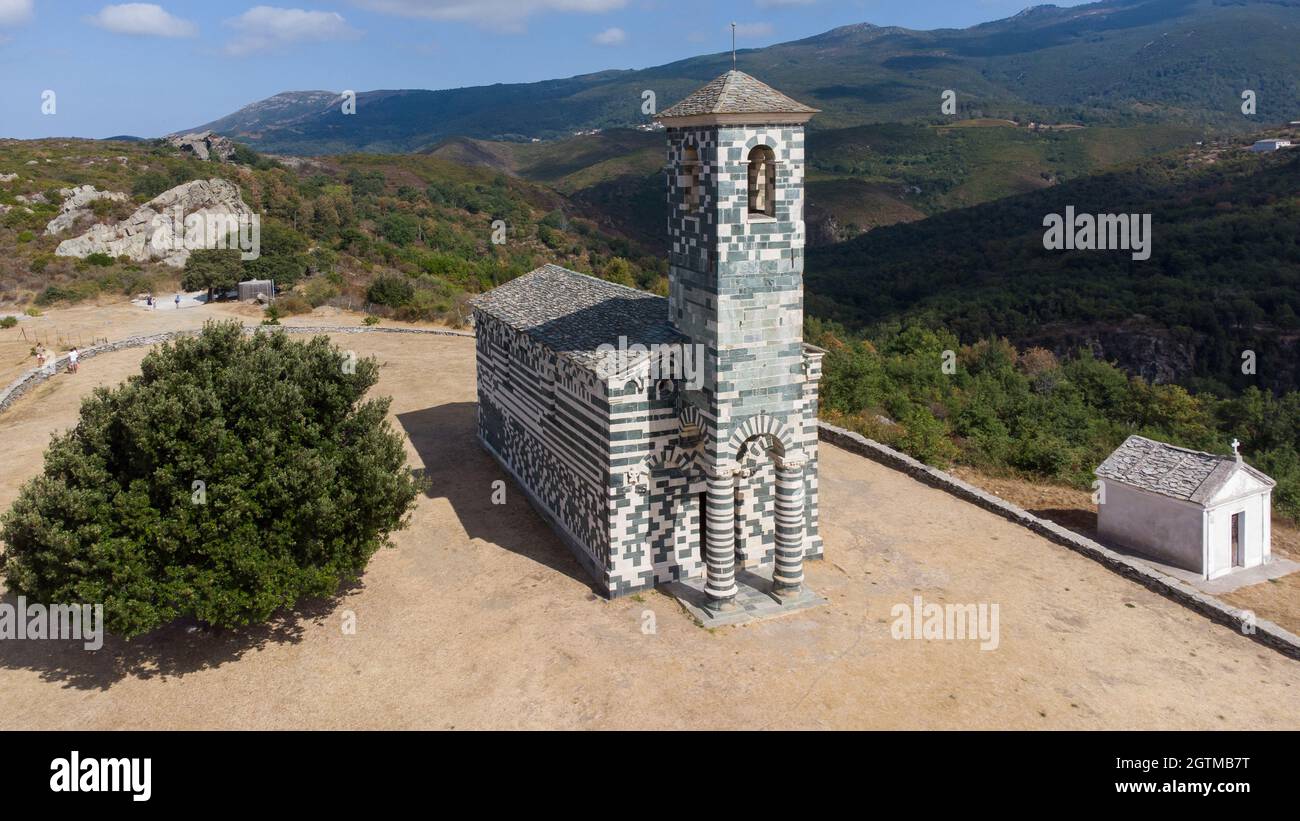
column 25, row 383
column 1265, row 632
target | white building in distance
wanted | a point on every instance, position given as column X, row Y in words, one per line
column 1270, row 145
column 1197, row 511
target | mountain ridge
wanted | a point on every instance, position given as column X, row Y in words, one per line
column 1113, row 61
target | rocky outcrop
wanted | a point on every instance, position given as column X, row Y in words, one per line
column 205, row 145
column 76, row 204
column 168, row 226
column 1156, row 354
column 8, row 177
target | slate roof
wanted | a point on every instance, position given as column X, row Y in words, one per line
column 1179, row 473
column 735, row 93
column 574, row 314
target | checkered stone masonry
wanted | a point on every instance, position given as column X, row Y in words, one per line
column 658, row 480
column 736, row 287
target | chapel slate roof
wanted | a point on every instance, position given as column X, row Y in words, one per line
column 574, row 314
column 735, row 93
column 1189, row 475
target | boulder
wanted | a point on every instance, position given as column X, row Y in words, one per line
column 157, row 230
column 205, row 145
column 76, row 202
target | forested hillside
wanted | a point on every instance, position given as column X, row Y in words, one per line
column 1223, row 278
column 1029, row 413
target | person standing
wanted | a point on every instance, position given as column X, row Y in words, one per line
column 178, row 302
column 73, row 356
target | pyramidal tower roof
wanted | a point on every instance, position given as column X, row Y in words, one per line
column 736, row 97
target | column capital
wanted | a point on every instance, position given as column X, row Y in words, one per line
column 791, row 461
column 727, row 471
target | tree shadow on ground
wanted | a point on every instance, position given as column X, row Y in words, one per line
column 458, row 469
column 182, row 647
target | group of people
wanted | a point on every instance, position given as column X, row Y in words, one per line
column 44, row 357
column 153, row 303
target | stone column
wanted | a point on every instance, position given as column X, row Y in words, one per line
column 720, row 542
column 787, row 577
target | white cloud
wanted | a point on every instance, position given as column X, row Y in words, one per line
column 610, row 37
column 268, row 28
column 13, row 12
column 503, row 15
column 147, row 19
column 752, row 29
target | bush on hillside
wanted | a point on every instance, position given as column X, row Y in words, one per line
column 393, row 290
column 234, row 476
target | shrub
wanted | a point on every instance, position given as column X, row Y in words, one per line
column 392, row 290
column 26, row 236
column 73, row 292
column 292, row 304
column 400, row 229
column 303, row 481
column 319, row 291
column 150, row 184
column 370, row 320
column 99, row 259
column 8, row 321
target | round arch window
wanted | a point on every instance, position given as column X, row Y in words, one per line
column 762, row 181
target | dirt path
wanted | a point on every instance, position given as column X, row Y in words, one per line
column 479, row 618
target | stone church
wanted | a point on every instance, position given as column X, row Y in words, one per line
column 668, row 438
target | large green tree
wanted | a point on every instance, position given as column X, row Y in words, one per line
column 235, row 475
column 215, row 270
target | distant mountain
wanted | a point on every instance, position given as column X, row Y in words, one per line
column 270, row 114
column 1155, row 61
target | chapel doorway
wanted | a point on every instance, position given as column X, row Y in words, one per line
column 1236, row 540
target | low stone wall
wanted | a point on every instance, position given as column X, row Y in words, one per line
column 25, row 383
column 1264, row 632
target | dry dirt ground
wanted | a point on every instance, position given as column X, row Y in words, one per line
column 479, row 618
column 1277, row 600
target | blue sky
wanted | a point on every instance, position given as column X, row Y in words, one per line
column 152, row 68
